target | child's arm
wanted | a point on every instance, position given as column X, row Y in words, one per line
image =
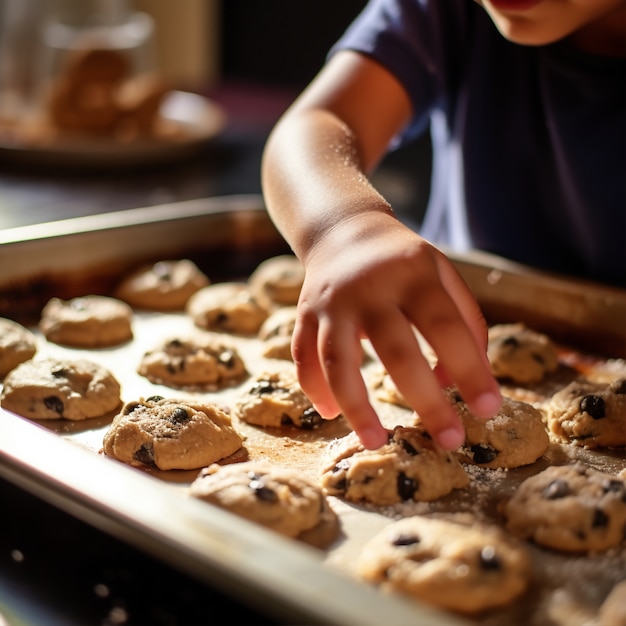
column 367, row 275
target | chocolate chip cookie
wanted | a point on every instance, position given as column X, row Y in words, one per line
column 409, row 467
column 515, row 436
column 588, row 414
column 228, row 307
column 57, row 388
column 17, row 344
column 572, row 508
column 199, row 361
column 171, row 434
column 276, row 332
column 90, row 321
column 162, row 286
column 277, row 281
column 520, row 354
column 278, row 498
column 275, row 398
column 457, row 566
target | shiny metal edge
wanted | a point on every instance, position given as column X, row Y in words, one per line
column 280, row 576
column 553, row 303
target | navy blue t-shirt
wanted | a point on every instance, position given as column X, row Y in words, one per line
column 529, row 143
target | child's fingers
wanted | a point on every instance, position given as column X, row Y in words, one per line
column 461, row 344
column 309, row 369
column 395, row 342
column 341, row 355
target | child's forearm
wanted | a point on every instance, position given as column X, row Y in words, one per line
column 318, row 156
column 313, row 178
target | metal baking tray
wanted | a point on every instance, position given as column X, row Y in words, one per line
column 231, row 235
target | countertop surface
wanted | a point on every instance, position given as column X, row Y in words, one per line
column 55, row 569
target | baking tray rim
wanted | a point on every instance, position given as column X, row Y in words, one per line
column 278, row 575
column 343, row 601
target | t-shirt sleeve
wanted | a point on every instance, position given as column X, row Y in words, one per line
column 419, row 41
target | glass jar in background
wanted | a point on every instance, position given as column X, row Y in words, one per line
column 38, row 38
column 20, row 22
column 70, row 25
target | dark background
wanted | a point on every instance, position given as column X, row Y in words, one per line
column 282, row 45
column 281, row 42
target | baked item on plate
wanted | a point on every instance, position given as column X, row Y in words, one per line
column 201, row 361
column 162, row 286
column 462, row 566
column 58, row 388
column 95, row 94
column 276, row 332
column 515, row 436
column 227, row 307
column 277, row 281
column 91, row 321
column 278, row 498
column 83, row 96
column 17, row 344
column 275, row 398
column 409, row 467
column 571, row 508
column 520, row 354
column 589, row 414
column 171, row 434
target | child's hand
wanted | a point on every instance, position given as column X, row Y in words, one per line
column 371, row 277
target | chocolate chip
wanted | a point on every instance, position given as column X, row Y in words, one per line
column 405, row 540
column 614, row 486
column 483, row 454
column 179, row 415
column 558, row 488
column 145, row 454
column 489, row 559
column 406, row 486
column 600, row 519
column 310, row 419
column 261, row 491
column 227, row 358
column 457, row 398
column 263, row 387
column 407, row 447
column 341, row 485
column 510, row 342
column 59, row 373
column 54, row 404
column 538, row 358
column 130, row 407
column 154, row 399
column 285, row 420
column 222, row 320
column 594, row 406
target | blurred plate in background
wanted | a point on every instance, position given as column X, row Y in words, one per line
column 190, row 121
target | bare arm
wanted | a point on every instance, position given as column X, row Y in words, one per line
column 367, row 274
